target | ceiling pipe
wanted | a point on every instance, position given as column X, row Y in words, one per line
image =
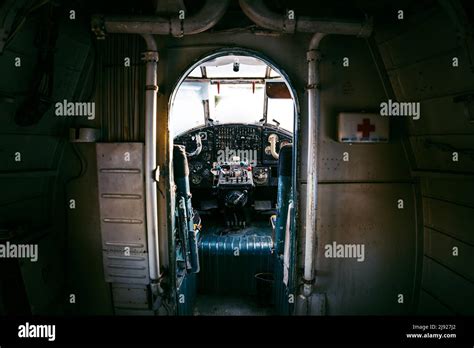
column 313, row 58
column 151, row 196
column 261, row 15
column 257, row 11
column 177, row 26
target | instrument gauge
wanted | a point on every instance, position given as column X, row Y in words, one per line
column 198, row 166
column 260, row 176
column 206, row 156
column 196, row 179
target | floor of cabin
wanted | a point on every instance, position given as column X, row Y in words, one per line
column 218, row 273
column 217, row 305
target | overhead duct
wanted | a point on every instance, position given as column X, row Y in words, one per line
column 261, row 15
column 177, row 26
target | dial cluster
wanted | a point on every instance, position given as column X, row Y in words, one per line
column 222, row 144
column 238, row 138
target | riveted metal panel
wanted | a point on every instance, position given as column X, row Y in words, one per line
column 368, row 215
column 436, row 153
column 127, row 269
column 452, row 219
column 429, row 33
column 416, row 82
column 440, row 247
column 456, row 191
column 122, row 212
column 130, row 296
column 353, row 89
column 432, row 114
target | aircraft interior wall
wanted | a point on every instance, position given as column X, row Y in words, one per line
column 427, row 75
column 407, row 201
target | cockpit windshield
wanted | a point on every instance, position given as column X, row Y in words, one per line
column 227, row 90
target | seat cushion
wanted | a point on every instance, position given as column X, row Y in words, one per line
column 230, row 262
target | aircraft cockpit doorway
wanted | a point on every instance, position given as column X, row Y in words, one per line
column 233, row 125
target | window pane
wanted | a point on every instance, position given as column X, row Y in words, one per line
column 237, row 104
column 273, row 73
column 282, row 111
column 187, row 110
column 196, row 73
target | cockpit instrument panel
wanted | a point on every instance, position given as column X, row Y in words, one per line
column 255, row 145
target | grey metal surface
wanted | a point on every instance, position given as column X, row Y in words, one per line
column 439, row 247
column 367, row 214
column 427, row 75
column 130, row 296
column 412, row 75
column 435, row 152
column 259, row 13
column 122, row 212
column 355, row 88
column 429, row 122
column 452, row 219
column 454, row 191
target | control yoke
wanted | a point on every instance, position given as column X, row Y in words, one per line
column 273, row 139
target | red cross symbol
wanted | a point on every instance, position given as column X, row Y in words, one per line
column 365, row 128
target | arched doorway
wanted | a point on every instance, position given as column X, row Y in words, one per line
column 233, row 112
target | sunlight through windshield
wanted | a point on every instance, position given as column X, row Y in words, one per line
column 225, row 94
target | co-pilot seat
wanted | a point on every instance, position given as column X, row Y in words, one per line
column 188, row 223
column 283, row 197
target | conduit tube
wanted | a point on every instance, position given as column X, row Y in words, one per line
column 313, row 59
column 177, row 26
column 314, row 115
column 151, row 199
column 259, row 13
